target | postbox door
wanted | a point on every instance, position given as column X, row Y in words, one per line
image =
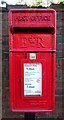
column 32, row 77
column 45, row 100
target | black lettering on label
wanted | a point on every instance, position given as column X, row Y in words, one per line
column 30, row 68
column 31, row 86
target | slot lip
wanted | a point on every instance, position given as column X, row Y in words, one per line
column 34, row 25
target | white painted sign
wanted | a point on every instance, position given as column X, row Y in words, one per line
column 32, row 79
column 32, row 55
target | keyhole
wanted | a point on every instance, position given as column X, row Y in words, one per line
column 19, row 80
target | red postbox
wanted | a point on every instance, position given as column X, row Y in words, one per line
column 32, row 60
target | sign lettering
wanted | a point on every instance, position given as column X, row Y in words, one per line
column 32, row 41
column 25, row 18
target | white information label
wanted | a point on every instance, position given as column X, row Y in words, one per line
column 32, row 79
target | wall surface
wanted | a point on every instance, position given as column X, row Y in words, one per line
column 0, row 63
column 58, row 112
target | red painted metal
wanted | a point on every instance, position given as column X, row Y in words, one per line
column 32, row 31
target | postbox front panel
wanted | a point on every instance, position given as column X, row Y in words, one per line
column 32, row 60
